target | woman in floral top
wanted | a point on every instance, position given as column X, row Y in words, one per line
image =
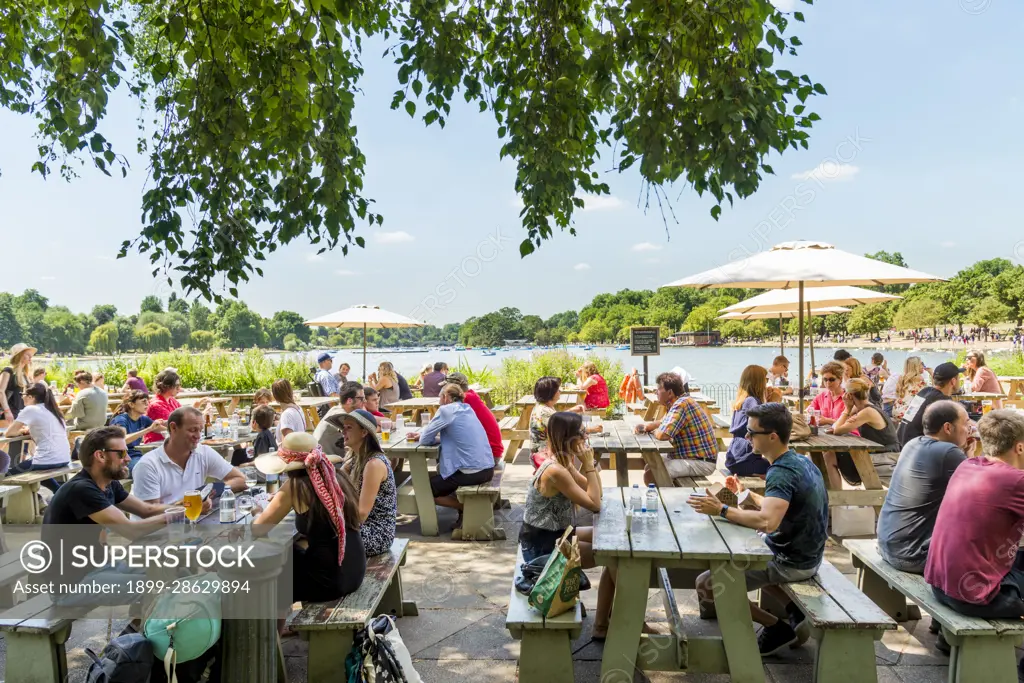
column 547, row 391
column 909, row 383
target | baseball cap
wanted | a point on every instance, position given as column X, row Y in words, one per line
column 946, row 371
column 456, row 378
column 322, row 357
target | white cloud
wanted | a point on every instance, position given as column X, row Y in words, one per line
column 828, row 170
column 600, row 202
column 314, row 257
column 48, row 277
column 397, row 237
column 645, row 246
column 581, row 266
column 948, row 244
column 346, row 273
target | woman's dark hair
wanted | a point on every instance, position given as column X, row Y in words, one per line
column 128, row 399
column 545, row 388
column 774, row 417
column 282, row 390
column 166, row 381
column 42, row 395
column 264, row 416
column 565, row 436
column 307, row 498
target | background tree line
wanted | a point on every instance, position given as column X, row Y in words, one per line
column 984, row 294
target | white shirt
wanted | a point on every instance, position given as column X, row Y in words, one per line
column 50, row 435
column 157, row 477
column 889, row 388
column 291, row 418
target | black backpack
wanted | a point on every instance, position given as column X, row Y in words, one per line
column 125, row 659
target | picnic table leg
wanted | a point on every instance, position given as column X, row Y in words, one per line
column 988, row 659
column 627, row 623
column 621, row 469
column 548, row 657
column 866, row 470
column 846, row 656
column 222, row 410
column 424, row 500
column 312, row 416
column 327, row 653
column 734, row 620
column 23, row 506
column 888, row 599
column 235, row 401
column 41, row 658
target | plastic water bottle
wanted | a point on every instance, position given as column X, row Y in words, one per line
column 635, row 501
column 641, row 517
column 228, row 507
column 652, row 501
column 233, row 427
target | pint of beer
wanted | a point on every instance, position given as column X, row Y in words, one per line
column 193, row 505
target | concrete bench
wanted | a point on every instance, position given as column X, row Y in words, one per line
column 981, row 649
column 478, row 511
column 23, row 506
column 331, row 626
column 499, row 411
column 545, row 652
column 845, row 624
column 39, row 640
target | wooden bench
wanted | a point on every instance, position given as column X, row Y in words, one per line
column 478, row 511
column 656, row 463
column 331, row 626
column 722, row 427
column 844, row 623
column 545, row 652
column 637, row 408
column 499, row 411
column 39, row 640
column 981, row 649
column 514, row 433
column 23, row 505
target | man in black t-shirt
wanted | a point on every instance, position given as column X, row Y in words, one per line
column 94, row 499
column 945, row 382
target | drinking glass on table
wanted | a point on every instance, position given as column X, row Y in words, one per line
column 250, row 480
column 244, row 504
column 193, row 503
column 175, row 519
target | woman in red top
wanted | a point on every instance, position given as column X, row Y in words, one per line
column 167, row 385
column 594, row 385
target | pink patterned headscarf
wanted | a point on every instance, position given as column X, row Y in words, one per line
column 325, row 483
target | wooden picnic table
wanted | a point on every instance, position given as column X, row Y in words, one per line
column 309, row 406
column 979, row 396
column 656, row 411
column 1013, row 386
column 684, row 543
column 398, row 446
column 416, row 406
column 860, row 449
column 618, row 439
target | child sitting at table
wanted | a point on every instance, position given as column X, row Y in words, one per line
column 262, row 423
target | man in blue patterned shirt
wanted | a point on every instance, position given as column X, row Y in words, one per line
column 324, row 377
column 687, row 426
column 793, row 516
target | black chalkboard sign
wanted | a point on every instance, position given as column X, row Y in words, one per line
column 645, row 341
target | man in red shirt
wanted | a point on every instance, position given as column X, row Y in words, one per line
column 973, row 565
column 483, row 413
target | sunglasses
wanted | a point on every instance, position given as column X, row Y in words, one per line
column 751, row 432
column 121, row 452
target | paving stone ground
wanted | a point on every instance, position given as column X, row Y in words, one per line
column 462, row 591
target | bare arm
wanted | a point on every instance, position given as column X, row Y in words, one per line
column 4, row 378
column 589, row 498
column 129, row 528
column 157, row 426
column 766, row 520
column 278, row 507
column 373, row 474
column 16, row 429
column 235, row 480
column 587, row 383
column 140, row 508
column 847, row 422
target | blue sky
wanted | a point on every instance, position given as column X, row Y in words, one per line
column 918, row 151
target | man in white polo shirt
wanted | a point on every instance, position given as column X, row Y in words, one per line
column 182, row 464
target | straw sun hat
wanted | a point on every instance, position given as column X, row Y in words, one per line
column 294, row 443
column 19, row 349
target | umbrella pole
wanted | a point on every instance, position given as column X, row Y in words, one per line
column 782, row 338
column 800, row 323
column 810, row 340
column 364, row 352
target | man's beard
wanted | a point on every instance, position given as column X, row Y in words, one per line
column 117, row 472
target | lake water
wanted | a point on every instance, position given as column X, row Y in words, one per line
column 707, row 365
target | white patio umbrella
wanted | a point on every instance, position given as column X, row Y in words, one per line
column 793, row 313
column 816, row 297
column 366, row 317
column 796, row 265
